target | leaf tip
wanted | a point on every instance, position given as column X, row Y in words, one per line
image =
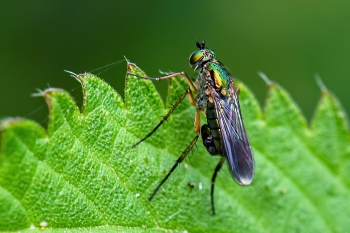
column 78, row 77
column 132, row 68
column 8, row 122
column 46, row 94
column 320, row 83
column 127, row 60
column 265, row 78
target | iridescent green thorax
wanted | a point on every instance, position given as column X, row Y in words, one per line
column 219, row 74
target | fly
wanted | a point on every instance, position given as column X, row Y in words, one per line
column 224, row 134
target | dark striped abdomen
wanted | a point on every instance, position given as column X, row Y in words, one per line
column 214, row 127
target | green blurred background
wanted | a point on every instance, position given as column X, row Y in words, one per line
column 290, row 41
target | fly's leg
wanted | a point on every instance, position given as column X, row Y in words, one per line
column 168, row 76
column 217, row 169
column 183, row 155
column 188, row 91
column 178, row 161
column 210, row 145
column 192, row 89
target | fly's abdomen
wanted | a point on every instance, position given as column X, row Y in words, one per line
column 211, row 133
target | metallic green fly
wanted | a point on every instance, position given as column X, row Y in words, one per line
column 224, row 134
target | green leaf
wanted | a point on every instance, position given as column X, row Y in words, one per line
column 82, row 175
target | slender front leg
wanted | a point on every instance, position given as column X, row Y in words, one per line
column 217, row 169
column 183, row 155
column 188, row 91
column 172, row 75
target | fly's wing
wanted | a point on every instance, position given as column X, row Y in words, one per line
column 236, row 144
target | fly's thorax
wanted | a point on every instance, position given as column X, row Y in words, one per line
column 212, row 77
column 218, row 75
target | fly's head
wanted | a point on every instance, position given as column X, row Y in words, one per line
column 202, row 56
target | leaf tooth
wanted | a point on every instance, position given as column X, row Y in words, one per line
column 78, row 77
column 82, row 79
column 99, row 94
column 46, row 94
column 330, row 130
column 144, row 106
column 133, row 68
column 62, row 108
column 265, row 78
column 320, row 83
column 280, row 109
column 9, row 121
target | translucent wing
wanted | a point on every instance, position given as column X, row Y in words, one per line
column 236, row 144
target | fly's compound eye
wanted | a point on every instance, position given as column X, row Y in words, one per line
column 196, row 57
column 200, row 57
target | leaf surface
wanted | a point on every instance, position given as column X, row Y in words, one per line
column 82, row 175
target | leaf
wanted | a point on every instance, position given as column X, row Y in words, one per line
column 82, row 175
